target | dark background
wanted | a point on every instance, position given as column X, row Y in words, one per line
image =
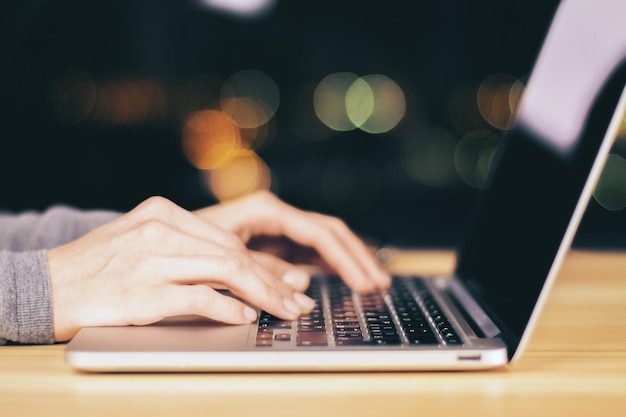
column 431, row 48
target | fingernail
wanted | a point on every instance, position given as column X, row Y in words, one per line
column 292, row 306
column 296, row 278
column 306, row 302
column 249, row 314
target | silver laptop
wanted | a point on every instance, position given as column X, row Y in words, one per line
column 481, row 316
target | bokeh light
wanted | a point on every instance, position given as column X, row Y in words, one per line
column 360, row 102
column 235, row 119
column 428, row 157
column 329, row 100
column 351, row 184
column 245, row 112
column 257, row 138
column 157, row 99
column 250, row 98
column 113, row 105
column 375, row 103
column 245, row 172
column 210, row 139
column 128, row 102
column 473, row 155
column 610, row 192
column 497, row 99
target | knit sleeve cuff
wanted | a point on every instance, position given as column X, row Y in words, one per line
column 28, row 315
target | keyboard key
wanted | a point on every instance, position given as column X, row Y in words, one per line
column 264, row 342
column 282, row 337
column 312, row 339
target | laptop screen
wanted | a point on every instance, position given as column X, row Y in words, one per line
column 536, row 182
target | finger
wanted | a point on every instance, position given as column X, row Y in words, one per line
column 340, row 248
column 205, row 301
column 245, row 279
column 287, row 272
column 348, row 254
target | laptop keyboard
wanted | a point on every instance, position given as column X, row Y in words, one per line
column 405, row 314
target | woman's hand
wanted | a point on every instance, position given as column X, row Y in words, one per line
column 160, row 260
column 263, row 214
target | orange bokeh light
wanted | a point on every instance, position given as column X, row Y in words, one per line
column 210, row 139
column 246, row 172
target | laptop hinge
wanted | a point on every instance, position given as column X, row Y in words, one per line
column 472, row 309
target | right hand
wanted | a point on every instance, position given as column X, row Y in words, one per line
column 158, row 261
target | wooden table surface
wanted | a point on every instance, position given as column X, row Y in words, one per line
column 575, row 365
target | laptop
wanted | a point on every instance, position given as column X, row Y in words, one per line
column 482, row 315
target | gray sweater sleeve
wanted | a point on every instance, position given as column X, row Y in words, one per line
column 25, row 296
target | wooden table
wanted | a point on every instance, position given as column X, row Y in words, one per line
column 575, row 365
